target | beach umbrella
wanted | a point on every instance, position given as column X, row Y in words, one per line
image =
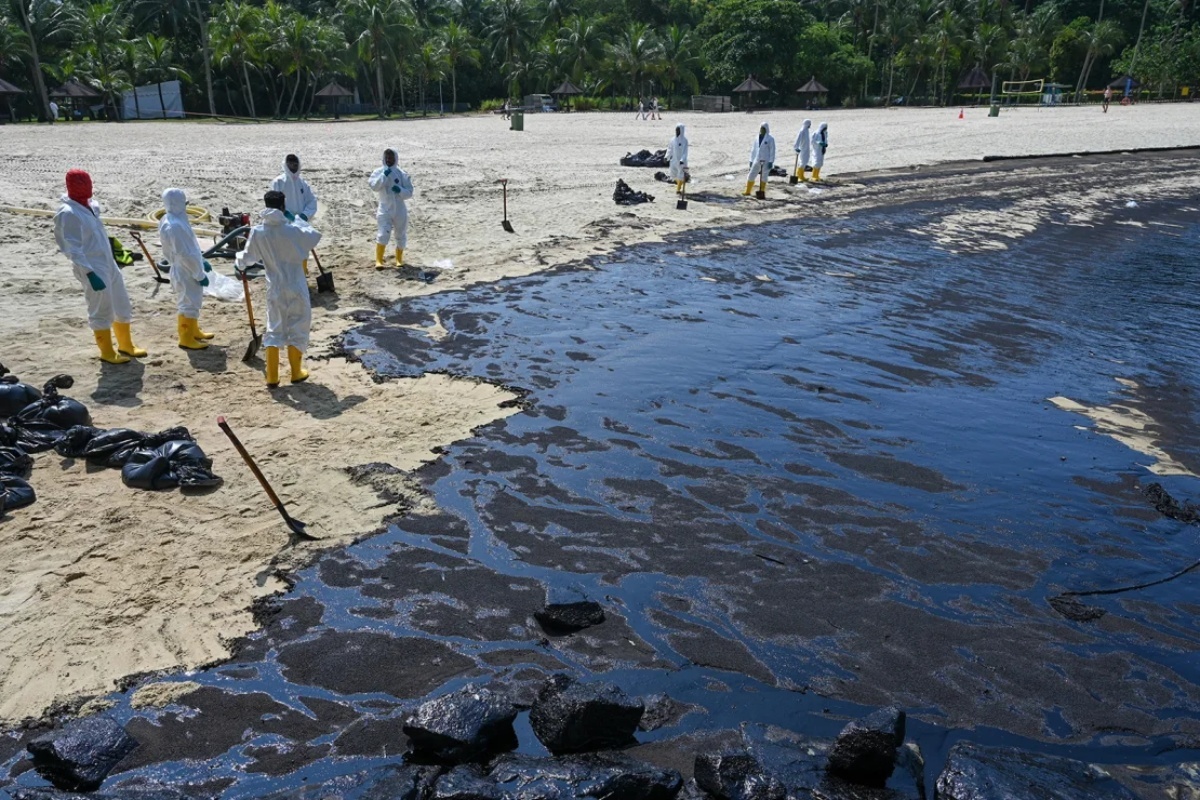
column 750, row 86
column 1121, row 82
column 812, row 87
column 74, row 90
column 9, row 92
column 567, row 89
column 333, row 93
column 975, row 79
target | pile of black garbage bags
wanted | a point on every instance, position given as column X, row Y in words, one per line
column 624, row 196
column 33, row 421
column 644, row 158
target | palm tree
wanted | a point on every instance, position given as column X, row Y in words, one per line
column 293, row 43
column 14, row 44
column 378, row 23
column 174, row 17
column 680, row 59
column 100, row 36
column 509, row 34
column 41, row 21
column 460, row 49
column 158, row 64
column 237, row 39
column 581, row 43
column 1101, row 40
column 432, row 64
column 637, row 53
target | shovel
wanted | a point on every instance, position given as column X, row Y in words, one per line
column 505, row 224
column 324, row 279
column 294, row 525
column 158, row 278
column 794, row 179
column 681, row 203
column 255, row 339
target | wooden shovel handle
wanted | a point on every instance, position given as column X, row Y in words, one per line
column 137, row 237
column 250, row 463
column 249, row 304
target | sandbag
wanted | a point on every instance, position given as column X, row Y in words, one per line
column 15, row 461
column 15, row 493
column 15, row 395
column 74, row 442
column 179, row 462
column 644, row 158
column 624, row 196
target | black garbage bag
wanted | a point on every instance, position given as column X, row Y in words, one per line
column 644, row 158
column 15, row 461
column 111, row 448
column 36, row 436
column 779, row 172
column 15, row 493
column 14, row 395
column 74, row 442
column 179, row 462
column 52, row 407
column 624, row 196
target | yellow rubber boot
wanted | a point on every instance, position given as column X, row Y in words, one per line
column 379, row 248
column 199, row 334
column 762, row 187
column 800, row 174
column 187, row 334
column 816, row 174
column 749, row 188
column 295, row 359
column 399, row 256
column 125, row 341
column 304, row 264
column 104, row 342
column 272, row 367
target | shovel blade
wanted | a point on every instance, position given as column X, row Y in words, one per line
column 793, row 180
column 681, row 205
column 508, row 226
column 252, row 348
column 298, row 529
column 325, row 282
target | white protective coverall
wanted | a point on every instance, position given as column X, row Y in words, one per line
column 182, row 252
column 394, row 186
column 803, row 140
column 81, row 237
column 281, row 247
column 820, row 142
column 298, row 197
column 762, row 155
column 677, row 151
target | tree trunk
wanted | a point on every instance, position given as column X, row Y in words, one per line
column 1138, row 45
column 207, row 53
column 137, row 106
column 35, row 65
column 1087, row 58
column 249, row 90
column 403, row 103
column 293, row 99
column 379, row 74
column 454, row 87
column 162, row 106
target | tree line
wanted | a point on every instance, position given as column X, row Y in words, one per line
column 269, row 58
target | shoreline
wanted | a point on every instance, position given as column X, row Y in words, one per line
column 109, row 395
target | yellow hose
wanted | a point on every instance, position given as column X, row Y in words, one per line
column 124, row 222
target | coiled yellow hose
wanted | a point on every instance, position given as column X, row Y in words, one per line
column 195, row 214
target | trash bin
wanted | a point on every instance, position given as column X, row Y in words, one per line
column 994, row 111
column 518, row 121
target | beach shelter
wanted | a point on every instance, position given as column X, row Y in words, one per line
column 76, row 94
column 749, row 87
column 566, row 89
column 976, row 79
column 1126, row 84
column 333, row 93
column 9, row 93
column 812, row 87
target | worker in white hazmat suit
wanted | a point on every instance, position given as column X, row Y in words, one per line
column 394, row 186
column 677, row 151
column 762, row 159
column 189, row 270
column 298, row 197
column 820, row 143
column 281, row 246
column 802, row 147
column 82, row 238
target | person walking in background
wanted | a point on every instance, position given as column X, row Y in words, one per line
column 762, row 159
column 1107, row 97
column 53, row 112
column 820, row 143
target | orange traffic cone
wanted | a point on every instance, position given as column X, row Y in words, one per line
column 960, row 114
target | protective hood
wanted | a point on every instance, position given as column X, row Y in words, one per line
column 272, row 216
column 287, row 171
column 824, row 126
column 175, row 203
column 79, row 186
column 383, row 157
column 764, row 130
column 806, row 124
column 680, row 130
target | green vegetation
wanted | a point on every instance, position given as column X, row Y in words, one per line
column 268, row 58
